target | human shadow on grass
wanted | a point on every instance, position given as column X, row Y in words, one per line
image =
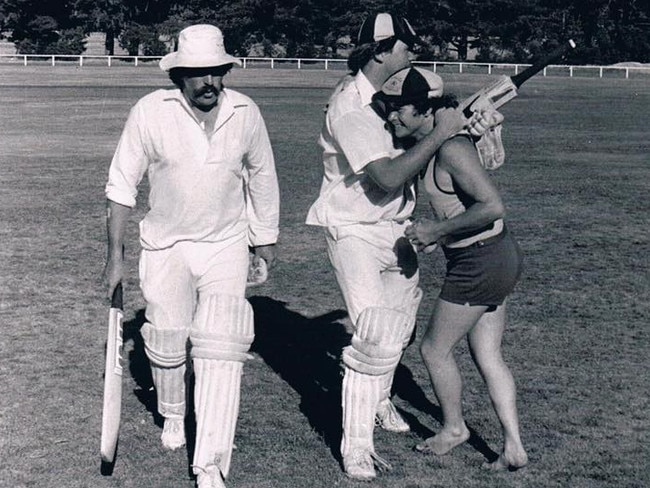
column 138, row 364
column 306, row 353
column 405, row 386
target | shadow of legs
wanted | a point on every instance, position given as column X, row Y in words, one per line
column 306, row 353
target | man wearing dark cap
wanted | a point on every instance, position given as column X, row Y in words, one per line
column 366, row 199
column 213, row 196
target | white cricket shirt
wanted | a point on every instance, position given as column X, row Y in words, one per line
column 353, row 135
column 203, row 187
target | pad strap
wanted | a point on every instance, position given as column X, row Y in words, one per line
column 377, row 341
column 165, row 348
column 223, row 328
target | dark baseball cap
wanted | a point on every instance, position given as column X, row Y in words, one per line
column 381, row 26
column 411, row 85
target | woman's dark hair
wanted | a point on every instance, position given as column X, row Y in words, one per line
column 361, row 55
column 447, row 100
column 387, row 104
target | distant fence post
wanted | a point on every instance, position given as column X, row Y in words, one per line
column 571, row 71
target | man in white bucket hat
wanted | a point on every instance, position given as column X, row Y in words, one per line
column 213, row 197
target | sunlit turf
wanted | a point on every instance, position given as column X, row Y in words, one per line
column 575, row 183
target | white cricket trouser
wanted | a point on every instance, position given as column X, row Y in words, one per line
column 375, row 265
column 171, row 281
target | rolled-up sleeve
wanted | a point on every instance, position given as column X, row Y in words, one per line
column 261, row 189
column 129, row 162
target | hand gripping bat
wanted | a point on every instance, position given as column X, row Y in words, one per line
column 505, row 88
column 112, row 381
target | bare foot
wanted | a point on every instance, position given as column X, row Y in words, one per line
column 508, row 462
column 443, row 442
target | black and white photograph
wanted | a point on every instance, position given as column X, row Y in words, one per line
column 317, row 244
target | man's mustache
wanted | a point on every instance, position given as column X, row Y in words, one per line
column 205, row 90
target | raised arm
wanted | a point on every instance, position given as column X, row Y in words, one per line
column 392, row 173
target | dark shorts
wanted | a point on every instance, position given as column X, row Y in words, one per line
column 484, row 273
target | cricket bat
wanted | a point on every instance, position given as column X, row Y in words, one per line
column 112, row 379
column 505, row 88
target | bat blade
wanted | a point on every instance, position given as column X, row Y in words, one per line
column 505, row 88
column 112, row 407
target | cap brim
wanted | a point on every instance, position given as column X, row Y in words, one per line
column 399, row 99
column 411, row 39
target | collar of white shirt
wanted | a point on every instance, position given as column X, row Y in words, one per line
column 365, row 88
column 225, row 108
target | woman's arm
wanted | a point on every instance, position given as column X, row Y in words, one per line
column 459, row 159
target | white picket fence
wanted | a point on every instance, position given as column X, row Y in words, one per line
column 625, row 71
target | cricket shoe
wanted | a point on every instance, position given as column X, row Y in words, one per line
column 173, row 434
column 360, row 464
column 388, row 418
column 210, row 477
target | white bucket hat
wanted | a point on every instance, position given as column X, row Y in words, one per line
column 199, row 46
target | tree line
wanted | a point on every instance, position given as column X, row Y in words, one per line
column 607, row 31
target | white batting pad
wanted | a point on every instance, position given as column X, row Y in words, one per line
column 221, row 336
column 377, row 341
column 411, row 309
column 166, row 350
column 373, row 355
column 223, row 328
column 216, row 399
column 360, row 396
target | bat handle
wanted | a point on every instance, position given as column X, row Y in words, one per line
column 116, row 299
column 467, row 111
column 519, row 79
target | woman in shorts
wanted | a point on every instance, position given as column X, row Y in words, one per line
column 483, row 265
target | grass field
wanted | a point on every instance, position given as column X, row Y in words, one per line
column 576, row 184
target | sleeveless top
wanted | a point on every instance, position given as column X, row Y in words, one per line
column 447, row 204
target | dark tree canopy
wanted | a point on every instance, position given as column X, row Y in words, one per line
column 607, row 31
